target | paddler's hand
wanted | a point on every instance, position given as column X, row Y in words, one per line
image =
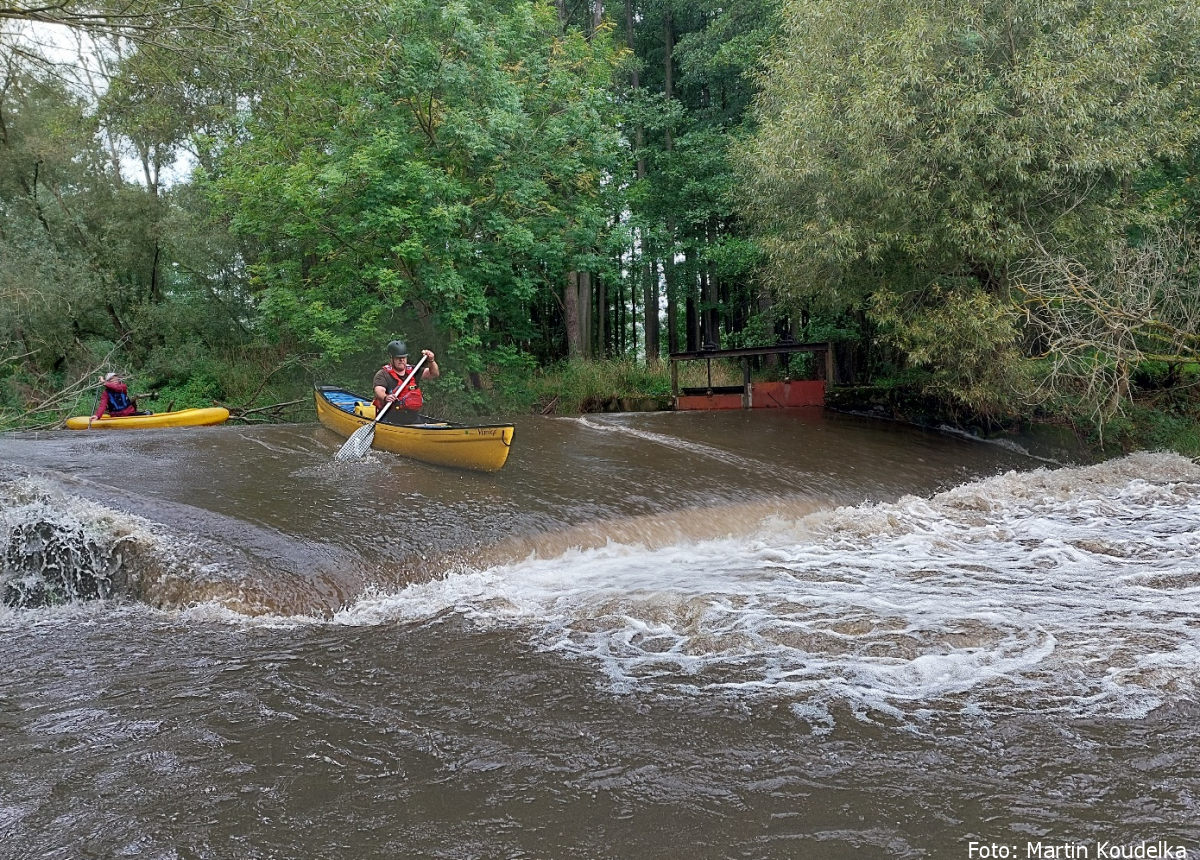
column 391, row 398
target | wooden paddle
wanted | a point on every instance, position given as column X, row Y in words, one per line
column 360, row 440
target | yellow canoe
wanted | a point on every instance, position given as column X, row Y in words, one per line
column 483, row 447
column 178, row 418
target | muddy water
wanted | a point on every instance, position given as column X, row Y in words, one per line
column 662, row 635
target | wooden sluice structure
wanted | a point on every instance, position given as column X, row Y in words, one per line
column 754, row 395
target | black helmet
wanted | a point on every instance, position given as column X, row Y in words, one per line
column 397, row 349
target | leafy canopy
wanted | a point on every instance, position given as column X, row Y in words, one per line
column 902, row 142
column 452, row 171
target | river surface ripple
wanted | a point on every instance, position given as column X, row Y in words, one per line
column 790, row 634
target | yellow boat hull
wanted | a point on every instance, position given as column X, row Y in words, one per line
column 180, row 418
column 483, row 448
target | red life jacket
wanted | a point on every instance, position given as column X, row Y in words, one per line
column 410, row 398
column 115, row 400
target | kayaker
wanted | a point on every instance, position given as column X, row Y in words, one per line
column 114, row 399
column 406, row 403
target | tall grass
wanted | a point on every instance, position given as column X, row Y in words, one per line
column 614, row 384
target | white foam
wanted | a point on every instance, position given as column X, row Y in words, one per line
column 56, row 544
column 27, row 500
column 1067, row 589
column 1071, row 589
column 50, row 530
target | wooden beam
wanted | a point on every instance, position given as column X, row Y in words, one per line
column 782, row 349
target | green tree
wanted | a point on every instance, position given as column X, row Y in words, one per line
column 449, row 178
column 49, row 200
column 691, row 99
column 929, row 149
column 98, row 269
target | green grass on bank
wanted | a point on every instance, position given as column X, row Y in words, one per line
column 611, row 385
column 1149, row 426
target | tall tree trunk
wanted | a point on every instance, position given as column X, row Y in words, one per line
column 155, row 287
column 649, row 287
column 602, row 349
column 711, row 299
column 691, row 300
column 629, row 326
column 668, row 252
column 619, row 313
column 668, row 68
column 584, row 304
column 669, row 280
column 587, row 340
column 633, row 316
column 571, row 307
column 650, row 306
column 151, row 167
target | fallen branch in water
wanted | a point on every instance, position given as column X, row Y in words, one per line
column 276, row 408
column 60, row 400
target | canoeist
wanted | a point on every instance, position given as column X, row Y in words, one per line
column 114, row 399
column 388, row 379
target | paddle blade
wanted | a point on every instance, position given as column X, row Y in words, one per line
column 358, row 444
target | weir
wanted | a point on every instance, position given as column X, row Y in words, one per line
column 754, row 395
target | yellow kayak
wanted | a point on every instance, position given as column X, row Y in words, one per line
column 483, row 447
column 178, row 418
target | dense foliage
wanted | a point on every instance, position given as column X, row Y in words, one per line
column 447, row 191
column 919, row 160
column 993, row 203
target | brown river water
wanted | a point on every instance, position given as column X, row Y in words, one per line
column 677, row 635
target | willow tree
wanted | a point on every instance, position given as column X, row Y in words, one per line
column 56, row 257
column 916, row 153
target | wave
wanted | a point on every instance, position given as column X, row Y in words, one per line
column 1074, row 590
column 691, row 447
column 1069, row 589
column 59, row 548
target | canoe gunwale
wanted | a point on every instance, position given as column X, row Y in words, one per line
column 476, row 447
column 432, row 425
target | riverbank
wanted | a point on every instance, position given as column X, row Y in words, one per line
column 1167, row 419
column 1054, row 439
column 1157, row 421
